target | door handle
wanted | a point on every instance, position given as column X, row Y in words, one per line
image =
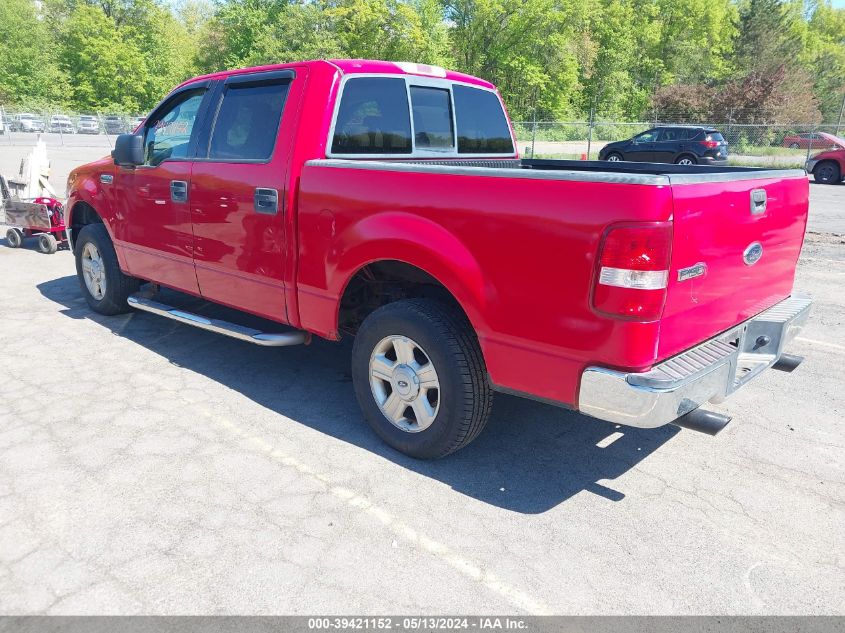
column 266, row 200
column 178, row 191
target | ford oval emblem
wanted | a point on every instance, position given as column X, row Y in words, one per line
column 752, row 254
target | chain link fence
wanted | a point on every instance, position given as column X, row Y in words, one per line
column 59, row 125
column 763, row 145
column 752, row 144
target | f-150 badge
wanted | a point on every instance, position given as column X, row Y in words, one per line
column 691, row 272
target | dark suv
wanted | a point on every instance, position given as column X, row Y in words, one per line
column 679, row 144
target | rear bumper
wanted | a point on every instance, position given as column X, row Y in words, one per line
column 708, row 372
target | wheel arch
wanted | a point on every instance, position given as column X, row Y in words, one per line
column 406, row 254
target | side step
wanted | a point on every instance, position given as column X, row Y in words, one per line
column 258, row 337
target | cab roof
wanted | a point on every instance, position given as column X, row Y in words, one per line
column 360, row 66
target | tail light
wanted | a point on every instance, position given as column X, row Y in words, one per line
column 633, row 271
column 710, row 144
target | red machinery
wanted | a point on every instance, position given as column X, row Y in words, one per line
column 41, row 217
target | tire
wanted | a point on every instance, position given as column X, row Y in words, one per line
column 827, row 173
column 441, row 340
column 109, row 287
column 794, row 146
column 614, row 157
column 47, row 243
column 685, row 159
column 14, row 237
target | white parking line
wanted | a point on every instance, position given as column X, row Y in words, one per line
column 839, row 348
column 363, row 504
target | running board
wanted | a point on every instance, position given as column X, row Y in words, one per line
column 297, row 337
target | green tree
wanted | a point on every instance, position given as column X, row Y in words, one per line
column 106, row 68
column 527, row 48
column 826, row 46
column 29, row 73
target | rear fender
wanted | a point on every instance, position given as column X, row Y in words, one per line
column 413, row 240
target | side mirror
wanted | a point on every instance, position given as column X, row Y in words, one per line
column 128, row 150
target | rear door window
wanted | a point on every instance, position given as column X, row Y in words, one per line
column 432, row 110
column 670, row 134
column 373, row 117
column 481, row 122
column 247, row 122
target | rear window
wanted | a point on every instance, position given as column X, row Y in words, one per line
column 715, row 136
column 248, row 121
column 482, row 126
column 432, row 109
column 373, row 118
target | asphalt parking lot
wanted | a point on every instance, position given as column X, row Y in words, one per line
column 148, row 467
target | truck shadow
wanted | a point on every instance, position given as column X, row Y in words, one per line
column 530, row 458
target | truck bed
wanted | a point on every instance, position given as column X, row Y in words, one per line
column 516, row 242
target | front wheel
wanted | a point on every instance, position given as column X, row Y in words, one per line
column 105, row 287
column 420, row 378
column 827, row 173
column 794, row 146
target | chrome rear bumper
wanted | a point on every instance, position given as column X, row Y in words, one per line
column 708, row 372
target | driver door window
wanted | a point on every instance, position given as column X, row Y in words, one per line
column 646, row 137
column 168, row 136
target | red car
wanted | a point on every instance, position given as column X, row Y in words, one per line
column 813, row 140
column 827, row 167
column 387, row 201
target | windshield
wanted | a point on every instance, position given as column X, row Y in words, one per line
column 835, row 139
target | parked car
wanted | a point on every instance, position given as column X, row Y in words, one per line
column 61, row 123
column 679, row 144
column 114, row 124
column 2, row 124
column 25, row 122
column 814, row 140
column 302, row 193
column 828, row 167
column 88, row 124
column 134, row 122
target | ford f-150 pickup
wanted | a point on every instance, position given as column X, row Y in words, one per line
column 387, row 201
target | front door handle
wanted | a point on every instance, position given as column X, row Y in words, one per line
column 266, row 200
column 178, row 191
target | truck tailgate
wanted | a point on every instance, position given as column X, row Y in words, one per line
column 733, row 255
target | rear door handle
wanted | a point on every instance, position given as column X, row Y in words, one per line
column 178, row 191
column 266, row 200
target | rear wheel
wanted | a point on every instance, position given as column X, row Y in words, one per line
column 827, row 173
column 685, row 159
column 614, row 157
column 794, row 146
column 420, row 379
column 105, row 287
column 14, row 237
column 47, row 243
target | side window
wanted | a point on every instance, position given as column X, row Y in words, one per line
column 482, row 126
column 646, row 137
column 248, row 121
column 669, row 134
column 432, row 110
column 169, row 134
column 373, row 118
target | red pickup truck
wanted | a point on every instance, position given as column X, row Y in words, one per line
column 387, row 201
